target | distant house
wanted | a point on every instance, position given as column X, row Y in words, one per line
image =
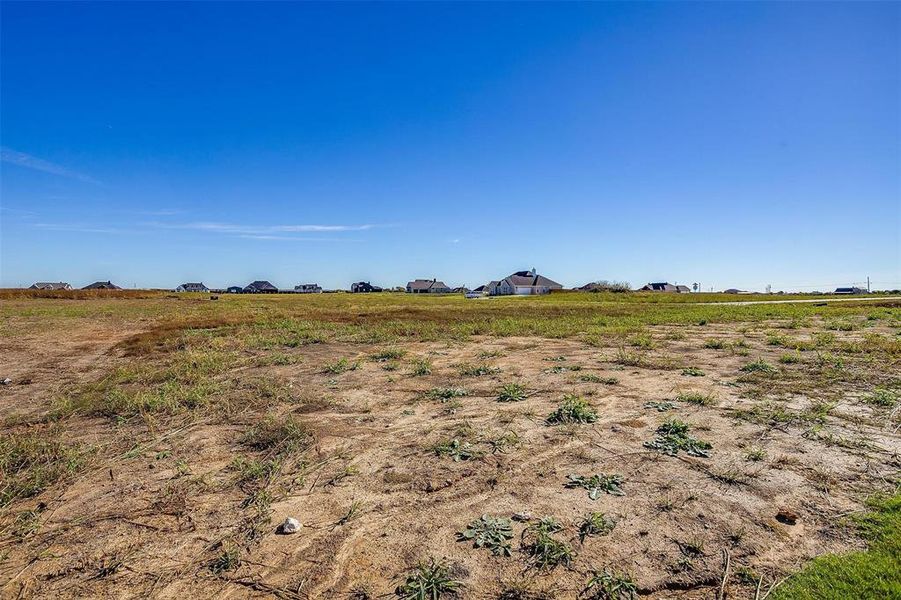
column 850, row 290
column 481, row 288
column 665, row 287
column 260, row 287
column 460, row 290
column 427, row 286
column 364, row 287
column 192, row 287
column 308, row 288
column 235, row 289
column 47, row 285
column 523, row 283
column 102, row 285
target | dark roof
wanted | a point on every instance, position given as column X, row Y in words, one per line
column 196, row 286
column 660, row 287
column 261, row 285
column 532, row 279
column 426, row 284
column 102, row 285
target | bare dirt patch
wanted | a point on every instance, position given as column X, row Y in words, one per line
column 184, row 505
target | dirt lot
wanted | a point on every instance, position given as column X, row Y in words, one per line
column 388, row 464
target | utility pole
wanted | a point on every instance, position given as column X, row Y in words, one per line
column 868, row 284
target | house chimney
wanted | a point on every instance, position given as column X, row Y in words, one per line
column 533, row 271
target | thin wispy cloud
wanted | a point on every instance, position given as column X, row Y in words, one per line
column 291, row 238
column 82, row 228
column 262, row 230
column 28, row 161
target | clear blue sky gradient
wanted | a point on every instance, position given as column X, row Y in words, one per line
column 733, row 144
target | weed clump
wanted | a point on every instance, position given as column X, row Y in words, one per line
column 342, row 365
column 699, row 398
column 573, row 409
column 882, row 397
column 672, row 436
column 428, row 581
column 512, row 392
column 595, row 523
column 421, row 368
column 456, row 450
column 388, row 355
column 545, row 551
column 605, row 585
column 759, row 366
column 611, row 484
column 493, row 533
column 445, row 394
column 479, row 370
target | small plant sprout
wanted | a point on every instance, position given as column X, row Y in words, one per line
column 611, row 484
column 595, row 523
column 493, row 533
column 573, row 409
column 512, row 392
column 428, row 581
column 606, row 585
column 457, row 450
column 672, row 436
column 227, row 560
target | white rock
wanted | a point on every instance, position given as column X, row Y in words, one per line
column 6, row 381
column 291, row 525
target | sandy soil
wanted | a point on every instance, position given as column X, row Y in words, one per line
column 147, row 516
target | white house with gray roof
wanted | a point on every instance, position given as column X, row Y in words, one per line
column 523, row 283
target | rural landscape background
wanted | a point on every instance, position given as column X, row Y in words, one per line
column 203, row 421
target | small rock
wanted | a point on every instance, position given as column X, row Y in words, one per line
column 787, row 516
column 291, row 525
column 615, row 428
column 6, row 381
column 522, row 517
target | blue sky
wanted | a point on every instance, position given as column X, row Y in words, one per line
column 733, row 144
